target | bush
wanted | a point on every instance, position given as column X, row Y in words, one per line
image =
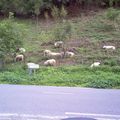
column 64, row 30
column 55, row 12
column 112, row 14
column 111, row 63
column 11, row 36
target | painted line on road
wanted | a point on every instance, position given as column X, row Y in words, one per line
column 5, row 118
column 91, row 114
column 67, row 115
column 43, row 116
column 33, row 116
column 105, row 119
column 58, row 93
column 8, row 114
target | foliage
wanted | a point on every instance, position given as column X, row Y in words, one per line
column 59, row 13
column 55, row 12
column 11, row 35
column 36, row 7
column 63, row 12
column 112, row 14
column 103, row 77
column 64, row 30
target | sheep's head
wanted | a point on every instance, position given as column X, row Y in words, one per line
column 46, row 52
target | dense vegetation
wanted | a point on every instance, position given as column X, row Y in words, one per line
column 38, row 7
column 103, row 77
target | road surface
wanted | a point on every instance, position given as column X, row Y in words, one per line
column 19, row 102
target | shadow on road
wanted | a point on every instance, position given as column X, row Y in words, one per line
column 79, row 118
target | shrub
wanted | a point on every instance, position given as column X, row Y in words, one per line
column 11, row 36
column 63, row 12
column 59, row 13
column 55, row 12
column 112, row 14
column 112, row 62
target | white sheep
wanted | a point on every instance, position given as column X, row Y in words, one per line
column 19, row 58
column 95, row 64
column 51, row 62
column 22, row 50
column 58, row 44
column 46, row 52
column 52, row 54
column 109, row 47
column 69, row 54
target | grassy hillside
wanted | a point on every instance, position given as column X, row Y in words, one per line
column 87, row 35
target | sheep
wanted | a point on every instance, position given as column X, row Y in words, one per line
column 19, row 58
column 21, row 50
column 109, row 47
column 58, row 44
column 53, row 54
column 95, row 64
column 69, row 54
column 46, row 52
column 50, row 62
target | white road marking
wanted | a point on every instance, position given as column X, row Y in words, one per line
column 104, row 119
column 7, row 116
column 94, row 115
column 31, row 119
column 32, row 116
column 58, row 93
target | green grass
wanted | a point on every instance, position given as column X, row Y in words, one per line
column 84, row 76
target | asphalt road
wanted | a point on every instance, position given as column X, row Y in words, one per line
column 59, row 103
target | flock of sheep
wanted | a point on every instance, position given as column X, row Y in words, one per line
column 53, row 55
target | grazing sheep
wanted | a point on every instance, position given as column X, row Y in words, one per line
column 95, row 64
column 46, row 52
column 109, row 47
column 51, row 62
column 52, row 54
column 58, row 44
column 21, row 50
column 19, row 58
column 69, row 54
